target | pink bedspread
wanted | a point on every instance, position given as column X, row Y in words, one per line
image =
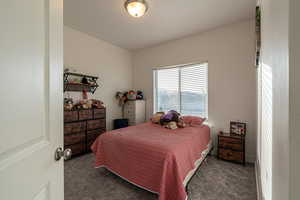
column 153, row 157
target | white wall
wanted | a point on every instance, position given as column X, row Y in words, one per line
column 275, row 54
column 230, row 52
column 112, row 64
column 280, row 51
column 294, row 99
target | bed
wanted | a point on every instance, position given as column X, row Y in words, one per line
column 156, row 159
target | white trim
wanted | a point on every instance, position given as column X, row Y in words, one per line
column 180, row 65
column 258, row 182
column 179, row 90
column 250, row 158
column 155, row 92
column 207, row 97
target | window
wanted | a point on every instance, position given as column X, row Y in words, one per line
column 182, row 88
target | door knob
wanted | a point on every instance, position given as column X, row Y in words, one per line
column 66, row 154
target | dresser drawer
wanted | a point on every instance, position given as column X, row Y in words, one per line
column 233, row 146
column 74, row 138
column 96, row 124
column 130, row 104
column 74, row 127
column 76, row 148
column 228, row 154
column 70, row 116
column 92, row 136
column 89, row 145
column 99, row 113
column 129, row 113
column 230, row 140
column 85, row 114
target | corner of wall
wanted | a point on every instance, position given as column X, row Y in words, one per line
column 88, row 54
column 132, row 70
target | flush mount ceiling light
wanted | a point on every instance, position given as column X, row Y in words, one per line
column 136, row 8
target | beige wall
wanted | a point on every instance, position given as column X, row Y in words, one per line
column 275, row 54
column 294, row 99
column 93, row 56
column 280, row 51
column 230, row 52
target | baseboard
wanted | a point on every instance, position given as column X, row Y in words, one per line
column 250, row 158
column 258, row 181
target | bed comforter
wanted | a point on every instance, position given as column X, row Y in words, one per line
column 153, row 157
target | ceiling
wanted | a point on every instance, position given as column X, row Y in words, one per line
column 165, row 20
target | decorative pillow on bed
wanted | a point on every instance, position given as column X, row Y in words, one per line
column 156, row 117
column 193, row 120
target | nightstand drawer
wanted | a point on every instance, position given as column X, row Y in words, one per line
column 232, row 146
column 230, row 140
column 228, row 154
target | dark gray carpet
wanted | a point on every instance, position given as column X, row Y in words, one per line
column 215, row 180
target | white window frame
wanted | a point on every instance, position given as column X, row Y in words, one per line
column 155, row 83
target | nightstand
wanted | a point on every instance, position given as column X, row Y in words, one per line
column 231, row 147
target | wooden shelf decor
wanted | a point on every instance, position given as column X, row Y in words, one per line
column 90, row 85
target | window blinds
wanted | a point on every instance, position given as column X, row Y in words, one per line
column 183, row 88
column 167, row 94
column 194, row 90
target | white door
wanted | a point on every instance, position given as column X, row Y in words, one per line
column 266, row 130
column 31, row 99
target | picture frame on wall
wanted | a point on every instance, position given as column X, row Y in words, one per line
column 258, row 34
column 237, row 128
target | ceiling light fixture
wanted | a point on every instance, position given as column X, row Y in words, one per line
column 136, row 8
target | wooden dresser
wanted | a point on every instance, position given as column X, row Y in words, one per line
column 231, row 147
column 82, row 127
